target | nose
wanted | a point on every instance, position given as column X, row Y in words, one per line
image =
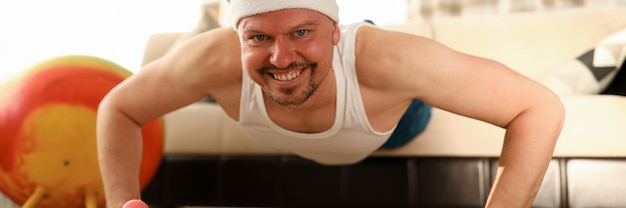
column 282, row 52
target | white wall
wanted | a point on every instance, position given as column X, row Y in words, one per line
column 34, row 30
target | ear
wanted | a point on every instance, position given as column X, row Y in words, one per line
column 336, row 33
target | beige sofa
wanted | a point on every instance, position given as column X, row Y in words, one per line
column 533, row 43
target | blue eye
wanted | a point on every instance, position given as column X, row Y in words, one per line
column 301, row 32
column 259, row 37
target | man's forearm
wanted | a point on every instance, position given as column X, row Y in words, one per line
column 527, row 151
column 119, row 154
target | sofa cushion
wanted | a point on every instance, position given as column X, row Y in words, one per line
column 593, row 71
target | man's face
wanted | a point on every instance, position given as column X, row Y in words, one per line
column 288, row 52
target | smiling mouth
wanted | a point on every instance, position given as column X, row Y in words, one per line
column 287, row 76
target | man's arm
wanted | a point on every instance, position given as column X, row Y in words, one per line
column 119, row 153
column 121, row 114
column 206, row 65
column 478, row 88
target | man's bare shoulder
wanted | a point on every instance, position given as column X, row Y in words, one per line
column 399, row 62
column 383, row 55
column 217, row 44
column 389, row 45
column 206, row 64
column 211, row 55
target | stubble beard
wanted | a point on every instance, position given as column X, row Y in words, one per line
column 291, row 96
column 289, row 92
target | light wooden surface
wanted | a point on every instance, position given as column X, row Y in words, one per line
column 6, row 203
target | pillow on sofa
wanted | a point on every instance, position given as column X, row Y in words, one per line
column 618, row 86
column 593, row 71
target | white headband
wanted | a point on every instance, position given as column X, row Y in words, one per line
column 245, row 8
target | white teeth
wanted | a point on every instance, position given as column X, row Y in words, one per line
column 286, row 77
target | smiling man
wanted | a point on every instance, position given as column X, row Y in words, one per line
column 296, row 80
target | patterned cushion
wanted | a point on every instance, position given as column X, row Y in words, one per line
column 593, row 71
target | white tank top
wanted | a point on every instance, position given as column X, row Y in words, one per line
column 350, row 139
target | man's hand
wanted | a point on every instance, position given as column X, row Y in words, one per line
column 135, row 203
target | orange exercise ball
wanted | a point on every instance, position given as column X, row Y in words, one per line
column 48, row 132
